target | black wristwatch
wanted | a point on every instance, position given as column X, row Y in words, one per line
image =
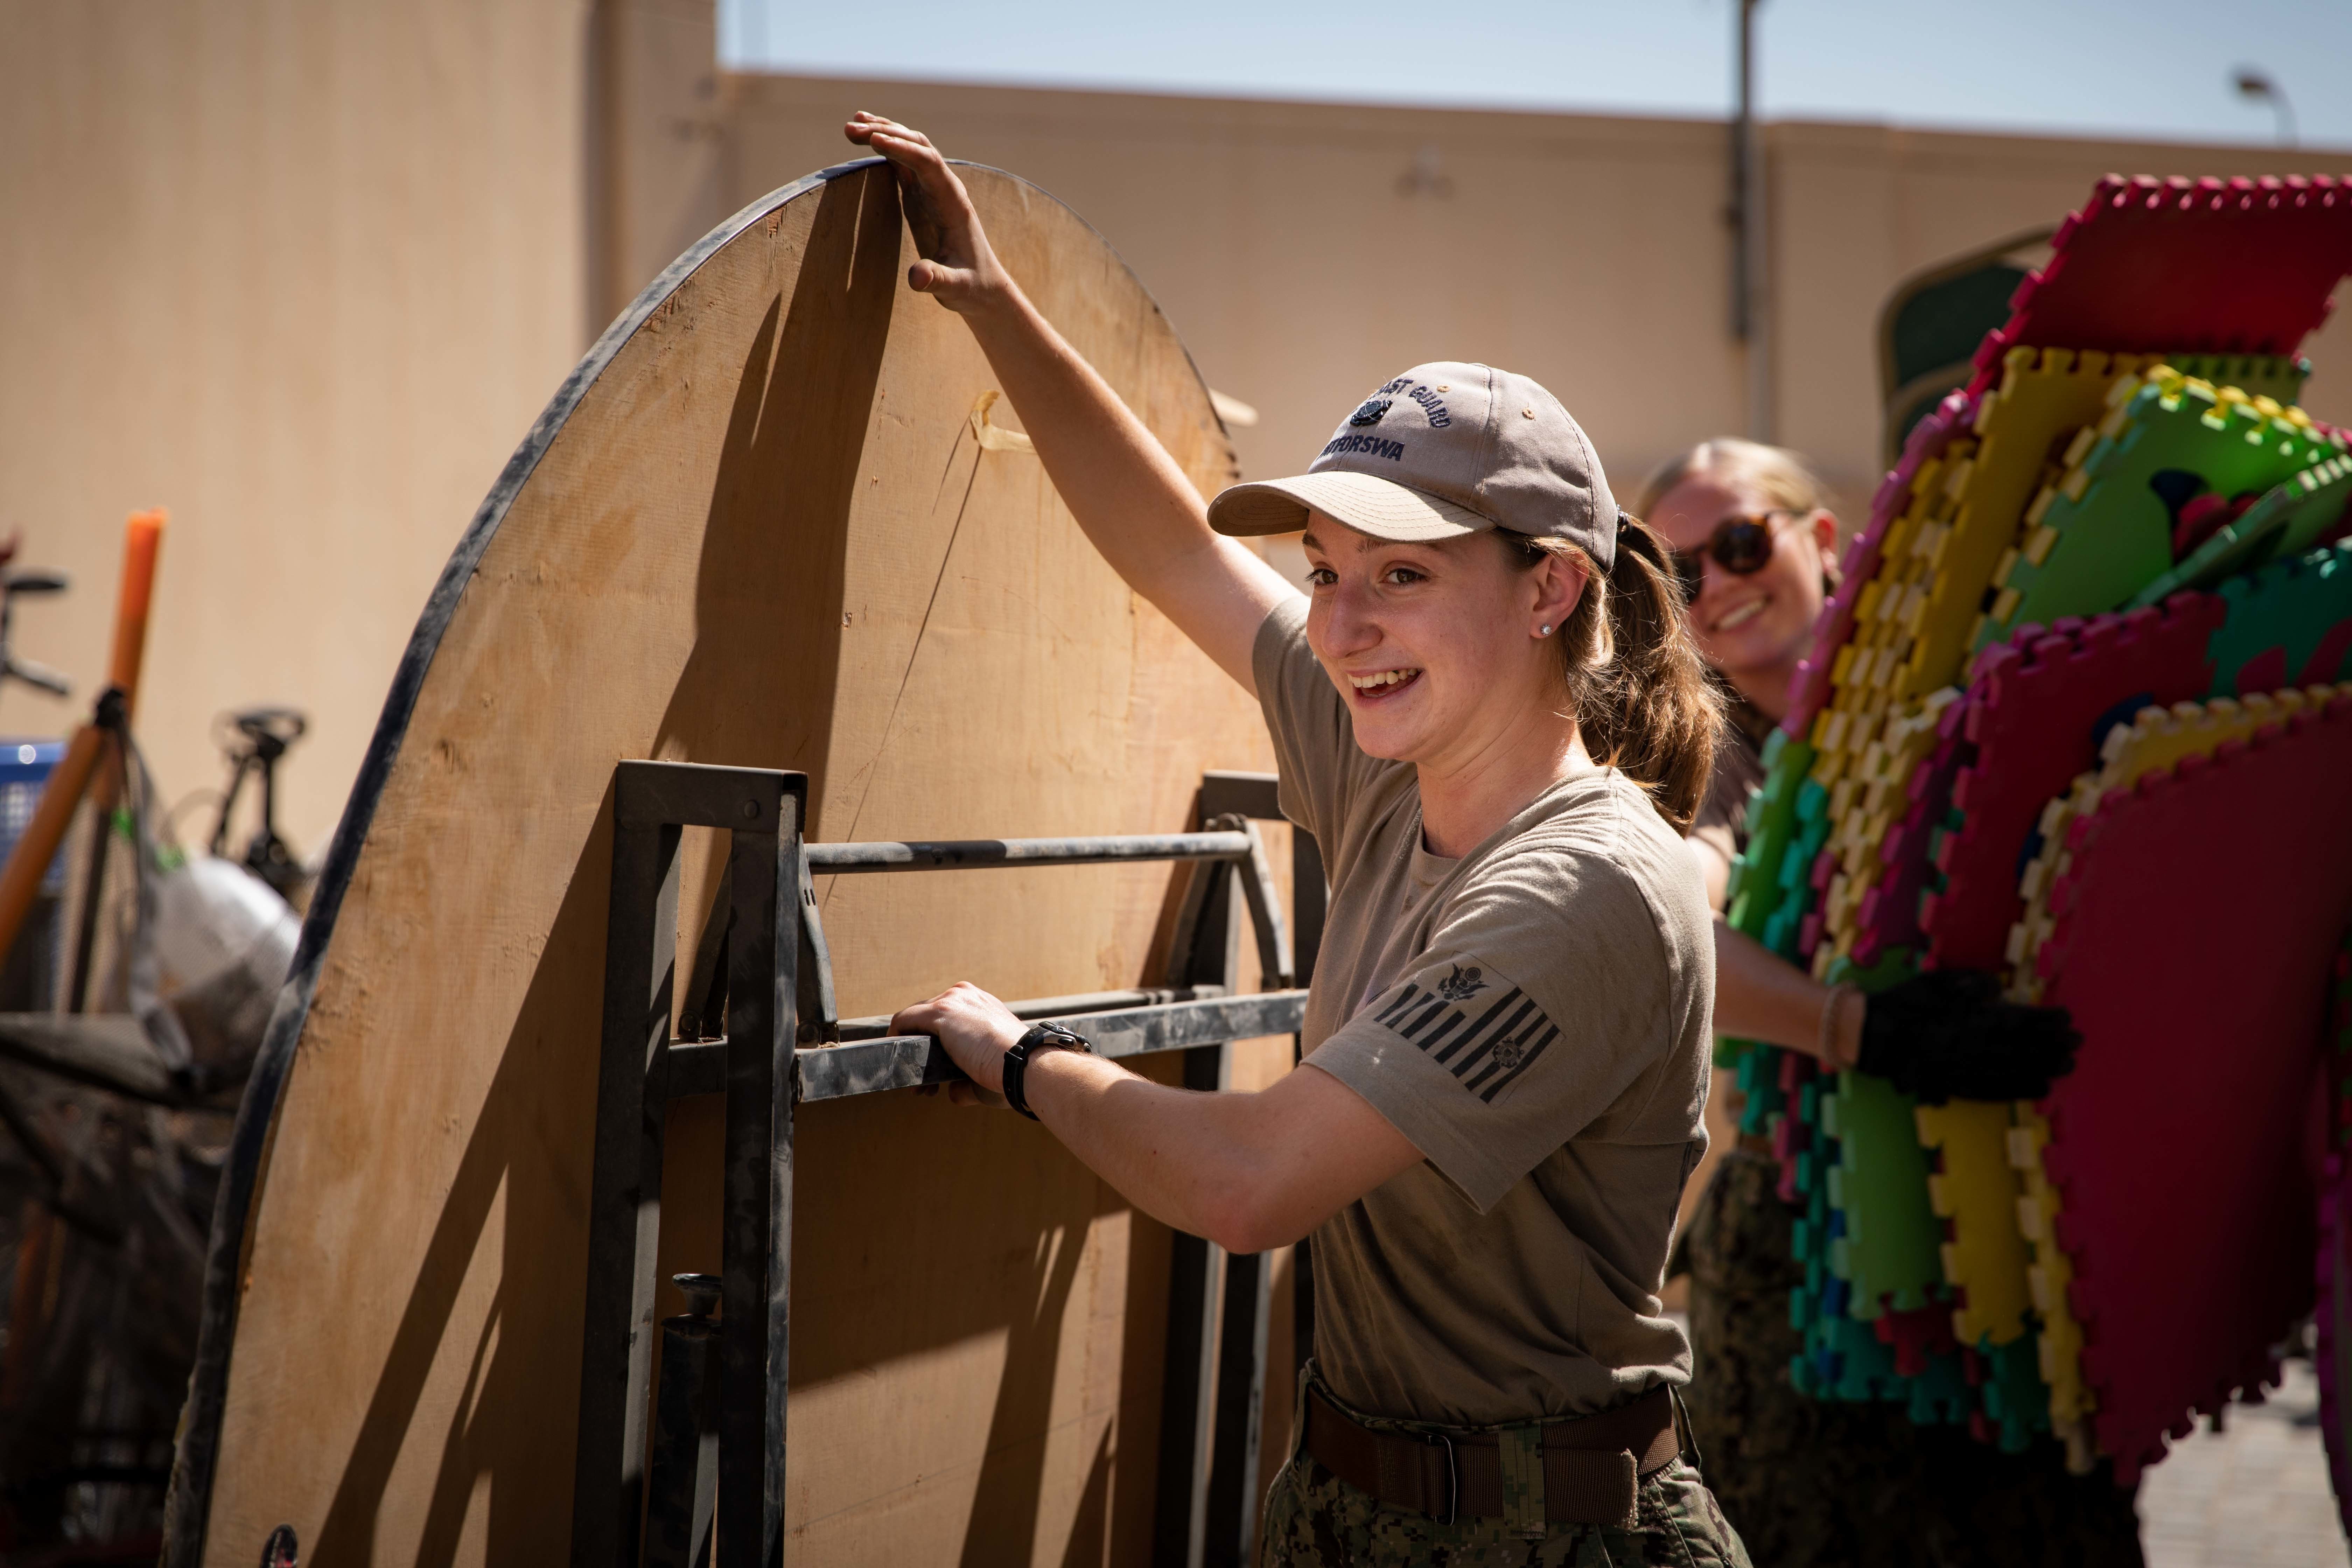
column 1040, row 1037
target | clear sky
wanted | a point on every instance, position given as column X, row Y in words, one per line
column 2157, row 69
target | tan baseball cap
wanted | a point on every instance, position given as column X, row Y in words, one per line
column 1443, row 451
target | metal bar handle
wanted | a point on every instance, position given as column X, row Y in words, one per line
column 976, row 854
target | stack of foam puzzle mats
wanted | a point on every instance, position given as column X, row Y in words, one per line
column 2332, row 1275
column 2072, row 718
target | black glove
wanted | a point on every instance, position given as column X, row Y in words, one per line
column 1948, row 1034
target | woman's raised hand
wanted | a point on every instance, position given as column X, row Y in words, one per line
column 957, row 268
column 1129, row 495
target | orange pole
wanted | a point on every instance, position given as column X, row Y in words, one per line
column 28, row 862
column 142, row 539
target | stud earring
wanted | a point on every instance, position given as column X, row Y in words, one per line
column 1546, row 631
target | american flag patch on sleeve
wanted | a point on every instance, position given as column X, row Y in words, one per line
column 1485, row 1034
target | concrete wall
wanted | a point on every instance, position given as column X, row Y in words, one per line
column 302, row 273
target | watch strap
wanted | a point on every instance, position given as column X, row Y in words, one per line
column 1038, row 1038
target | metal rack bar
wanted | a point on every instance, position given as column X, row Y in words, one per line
column 762, row 972
column 977, row 853
column 1070, row 1006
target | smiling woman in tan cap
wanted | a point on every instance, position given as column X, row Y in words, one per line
column 1491, row 717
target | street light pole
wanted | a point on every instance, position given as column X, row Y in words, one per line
column 1750, row 303
column 2258, row 85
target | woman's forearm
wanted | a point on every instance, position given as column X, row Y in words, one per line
column 1249, row 1171
column 1162, row 1147
column 1759, row 996
column 1126, row 491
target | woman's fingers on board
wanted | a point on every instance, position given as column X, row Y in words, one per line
column 865, row 123
column 957, row 265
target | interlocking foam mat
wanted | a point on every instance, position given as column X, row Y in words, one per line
column 2221, row 267
column 2170, row 450
column 2178, row 1135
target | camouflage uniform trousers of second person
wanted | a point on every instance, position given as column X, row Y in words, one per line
column 1314, row 1520
column 1814, row 1483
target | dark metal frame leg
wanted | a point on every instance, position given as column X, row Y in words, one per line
column 1220, row 1304
column 763, row 811
column 624, row 1196
column 1206, row 951
column 683, row 1480
column 1231, row 1538
column 757, row 1257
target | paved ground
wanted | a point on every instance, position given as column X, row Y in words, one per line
column 2254, row 1495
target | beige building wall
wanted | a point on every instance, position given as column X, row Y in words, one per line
column 1308, row 251
column 302, row 273
column 305, row 272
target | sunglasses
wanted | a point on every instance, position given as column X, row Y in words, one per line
column 1740, row 545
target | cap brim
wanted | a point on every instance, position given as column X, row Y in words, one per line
column 1381, row 508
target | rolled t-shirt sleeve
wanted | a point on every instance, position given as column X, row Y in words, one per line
column 1542, row 996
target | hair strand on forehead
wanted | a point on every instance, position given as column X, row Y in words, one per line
column 1635, row 681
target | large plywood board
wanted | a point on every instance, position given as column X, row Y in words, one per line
column 761, row 526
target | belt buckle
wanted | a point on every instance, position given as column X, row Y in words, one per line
column 1453, row 1476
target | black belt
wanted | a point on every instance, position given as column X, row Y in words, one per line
column 1592, row 1467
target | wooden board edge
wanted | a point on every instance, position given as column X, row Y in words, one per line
column 197, row 1451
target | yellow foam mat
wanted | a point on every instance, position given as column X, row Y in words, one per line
column 1976, row 1191
column 2059, row 1346
column 1914, row 620
column 1871, row 797
column 2155, row 738
column 2044, row 397
column 1869, row 738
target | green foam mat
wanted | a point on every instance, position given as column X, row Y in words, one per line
column 1891, row 1253
column 2273, row 377
column 2289, row 519
column 2105, row 531
column 2016, row 1400
column 1940, row 1395
column 2289, row 624
column 1754, row 893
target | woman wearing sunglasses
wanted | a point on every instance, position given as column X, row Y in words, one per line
column 1809, row 1481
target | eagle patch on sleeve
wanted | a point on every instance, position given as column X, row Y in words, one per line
column 1478, row 1026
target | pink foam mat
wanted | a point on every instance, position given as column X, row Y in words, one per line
column 2029, row 712
column 2193, row 942
column 1889, row 916
column 2183, row 265
column 2332, row 1278
column 1810, row 686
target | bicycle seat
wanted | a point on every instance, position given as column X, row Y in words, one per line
column 281, row 724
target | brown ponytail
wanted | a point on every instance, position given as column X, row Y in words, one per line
column 1635, row 681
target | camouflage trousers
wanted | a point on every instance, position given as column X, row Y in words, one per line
column 1314, row 1520
column 1821, row 1484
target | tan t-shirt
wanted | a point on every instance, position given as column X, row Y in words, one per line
column 1534, row 1017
